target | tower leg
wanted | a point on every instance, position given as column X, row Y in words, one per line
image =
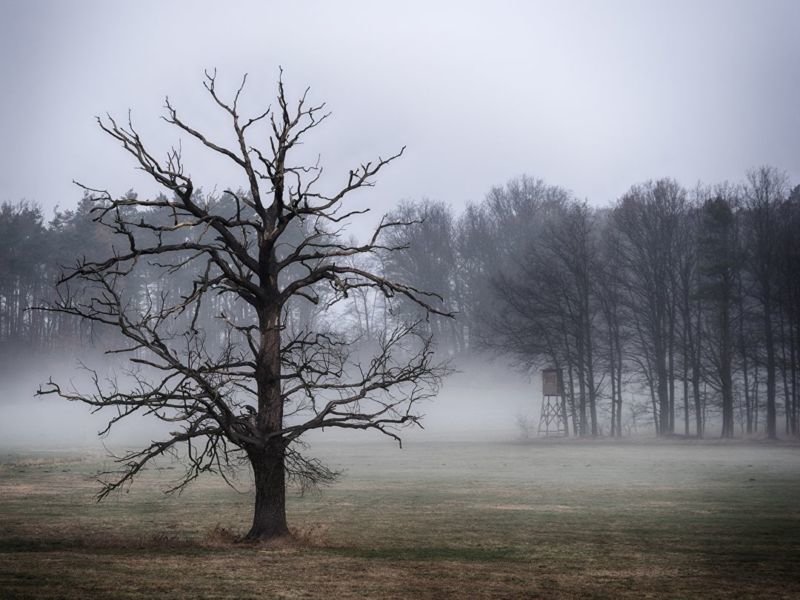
column 552, row 418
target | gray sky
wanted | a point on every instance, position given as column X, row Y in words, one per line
column 593, row 96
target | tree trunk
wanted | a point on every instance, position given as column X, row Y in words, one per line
column 663, row 391
column 575, row 426
column 619, row 385
column 613, row 375
column 748, row 403
column 582, row 396
column 671, row 371
column 656, row 418
column 784, row 377
column 755, row 400
column 794, row 339
column 696, row 374
column 725, row 369
column 268, row 461
column 269, row 516
column 772, row 429
column 590, row 381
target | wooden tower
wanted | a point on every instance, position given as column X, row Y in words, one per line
column 552, row 420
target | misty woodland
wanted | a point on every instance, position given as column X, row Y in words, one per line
column 672, row 306
column 247, row 319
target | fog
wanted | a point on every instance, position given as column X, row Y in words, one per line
column 601, row 101
column 480, row 403
column 32, row 422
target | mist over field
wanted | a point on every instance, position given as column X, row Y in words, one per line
column 479, row 402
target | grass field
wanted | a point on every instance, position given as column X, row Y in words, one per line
column 435, row 520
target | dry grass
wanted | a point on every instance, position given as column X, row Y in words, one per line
column 434, row 521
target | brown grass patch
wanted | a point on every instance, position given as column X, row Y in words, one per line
column 19, row 489
column 315, row 535
column 220, row 537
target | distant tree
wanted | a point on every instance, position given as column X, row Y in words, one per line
column 491, row 237
column 474, row 243
column 250, row 393
column 74, row 235
column 26, row 261
column 568, row 250
column 720, row 259
column 789, row 298
column 765, row 190
column 690, row 312
column 648, row 219
column 426, row 258
column 368, row 309
column 545, row 303
column 609, row 283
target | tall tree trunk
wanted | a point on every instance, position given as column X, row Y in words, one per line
column 613, row 375
column 582, row 394
column 663, row 391
column 671, row 369
column 619, row 383
column 685, row 374
column 696, row 372
column 784, row 377
column 590, row 378
column 563, row 391
column 725, row 375
column 268, row 463
column 748, row 403
column 575, row 425
column 269, row 516
column 772, row 430
column 793, row 358
column 656, row 416
column 755, row 400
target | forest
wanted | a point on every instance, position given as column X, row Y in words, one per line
column 672, row 308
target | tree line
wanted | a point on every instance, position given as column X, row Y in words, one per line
column 672, row 306
column 32, row 252
column 672, row 309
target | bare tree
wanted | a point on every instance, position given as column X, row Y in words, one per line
column 648, row 218
column 546, row 307
column 610, row 289
column 720, row 258
column 427, row 260
column 789, row 278
column 251, row 393
column 765, row 190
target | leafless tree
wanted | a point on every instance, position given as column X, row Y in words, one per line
column 250, row 394
column 765, row 190
column 648, row 219
column 610, row 289
column 428, row 261
column 720, row 258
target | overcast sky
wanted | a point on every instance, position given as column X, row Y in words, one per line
column 593, row 96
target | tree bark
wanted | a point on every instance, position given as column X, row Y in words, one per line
column 696, row 374
column 725, row 374
column 269, row 515
column 744, row 352
column 772, row 430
